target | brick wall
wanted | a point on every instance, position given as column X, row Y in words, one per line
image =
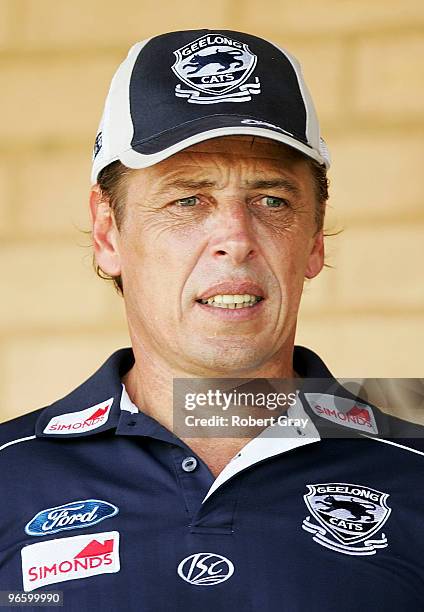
column 363, row 63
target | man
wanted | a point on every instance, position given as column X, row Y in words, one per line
column 208, row 199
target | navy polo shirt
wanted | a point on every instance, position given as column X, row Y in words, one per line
column 102, row 502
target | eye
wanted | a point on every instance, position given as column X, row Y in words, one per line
column 274, row 202
column 190, row 201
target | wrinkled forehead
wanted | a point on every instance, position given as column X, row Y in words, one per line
column 250, row 153
column 241, row 159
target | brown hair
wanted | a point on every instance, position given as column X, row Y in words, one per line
column 112, row 183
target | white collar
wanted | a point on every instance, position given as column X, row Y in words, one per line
column 273, row 440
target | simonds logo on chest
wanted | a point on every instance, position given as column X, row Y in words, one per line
column 71, row 558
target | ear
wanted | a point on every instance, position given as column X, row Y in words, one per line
column 316, row 256
column 105, row 233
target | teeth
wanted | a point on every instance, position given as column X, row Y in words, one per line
column 232, row 301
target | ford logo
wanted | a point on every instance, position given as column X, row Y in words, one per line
column 205, row 569
column 75, row 515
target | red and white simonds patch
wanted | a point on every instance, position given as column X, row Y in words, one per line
column 343, row 411
column 69, row 559
column 80, row 421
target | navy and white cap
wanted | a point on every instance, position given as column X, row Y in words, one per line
column 181, row 88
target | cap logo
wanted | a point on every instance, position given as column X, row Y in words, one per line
column 97, row 145
column 215, row 69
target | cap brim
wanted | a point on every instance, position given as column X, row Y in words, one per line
column 162, row 146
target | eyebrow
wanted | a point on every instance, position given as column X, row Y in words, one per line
column 278, row 183
column 190, row 184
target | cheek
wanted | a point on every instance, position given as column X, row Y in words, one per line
column 293, row 258
column 155, row 264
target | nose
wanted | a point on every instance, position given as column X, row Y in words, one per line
column 234, row 237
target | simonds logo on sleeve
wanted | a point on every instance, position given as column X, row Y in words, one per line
column 69, row 559
column 80, row 421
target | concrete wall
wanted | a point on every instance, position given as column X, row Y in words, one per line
column 363, row 63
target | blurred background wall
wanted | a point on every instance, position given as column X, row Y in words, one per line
column 363, row 62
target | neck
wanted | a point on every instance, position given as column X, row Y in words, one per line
column 149, row 383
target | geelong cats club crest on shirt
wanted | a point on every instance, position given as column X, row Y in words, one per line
column 215, row 68
column 347, row 517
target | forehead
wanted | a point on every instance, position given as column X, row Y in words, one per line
column 251, row 155
column 247, row 146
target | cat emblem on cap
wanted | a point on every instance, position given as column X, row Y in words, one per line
column 215, row 68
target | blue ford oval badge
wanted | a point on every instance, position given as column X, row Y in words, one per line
column 74, row 515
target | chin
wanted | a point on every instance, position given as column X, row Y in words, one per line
column 231, row 359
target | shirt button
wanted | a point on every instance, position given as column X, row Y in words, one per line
column 189, row 464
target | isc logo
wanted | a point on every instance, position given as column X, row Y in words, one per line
column 205, row 569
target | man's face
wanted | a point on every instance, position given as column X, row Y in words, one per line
column 231, row 216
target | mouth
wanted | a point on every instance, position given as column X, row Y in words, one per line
column 233, row 295
column 231, row 301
